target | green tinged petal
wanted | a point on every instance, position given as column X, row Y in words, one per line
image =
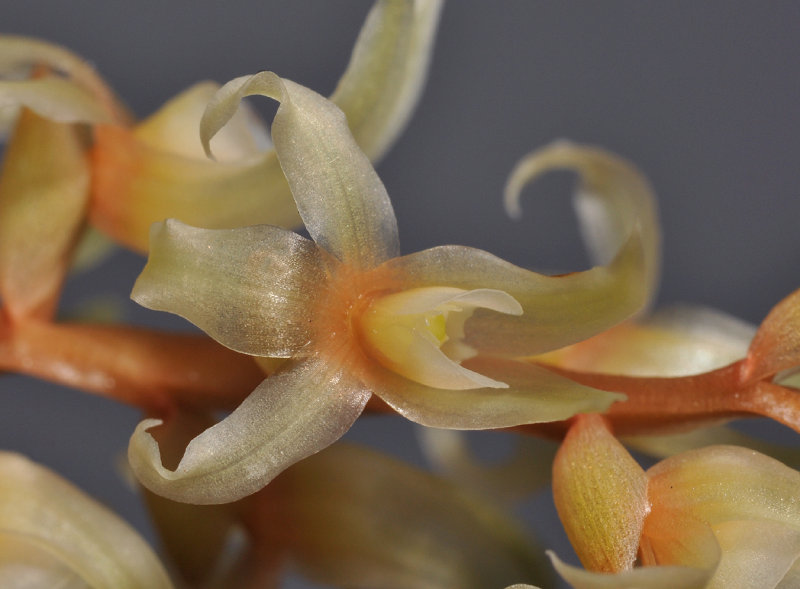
column 341, row 200
column 600, row 494
column 61, row 533
column 387, row 70
column 614, row 202
column 397, row 528
column 291, row 415
column 534, row 395
column 557, row 310
column 251, row 288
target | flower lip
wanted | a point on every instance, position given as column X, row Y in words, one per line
column 418, row 333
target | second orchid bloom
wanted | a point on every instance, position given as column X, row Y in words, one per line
column 433, row 334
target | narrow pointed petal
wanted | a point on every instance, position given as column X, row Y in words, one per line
column 74, row 531
column 251, row 288
column 534, row 395
column 197, row 538
column 557, row 310
column 614, row 202
column 341, row 200
column 291, row 415
column 755, row 554
column 44, row 194
column 510, row 481
column 387, row 71
column 675, row 341
column 19, row 54
column 600, row 494
column 656, row 577
column 398, row 528
column 776, row 345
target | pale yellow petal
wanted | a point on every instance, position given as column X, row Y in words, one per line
column 364, row 520
column 44, row 195
column 341, row 200
column 534, row 395
column 614, row 202
column 675, row 341
column 294, row 413
column 251, row 288
column 600, row 494
column 723, row 483
column 656, row 577
column 72, row 529
column 557, row 310
column 387, row 71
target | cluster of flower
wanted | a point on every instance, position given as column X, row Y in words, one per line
column 306, row 334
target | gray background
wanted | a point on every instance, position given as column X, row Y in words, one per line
column 701, row 96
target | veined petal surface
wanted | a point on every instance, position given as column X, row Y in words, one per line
column 557, row 310
column 397, row 528
column 387, row 70
column 600, row 494
column 291, row 415
column 614, row 201
column 44, row 194
column 341, row 200
column 251, row 288
column 534, row 395
column 54, row 517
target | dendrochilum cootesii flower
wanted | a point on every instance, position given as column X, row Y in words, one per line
column 433, row 334
column 54, row 535
column 719, row 516
column 75, row 152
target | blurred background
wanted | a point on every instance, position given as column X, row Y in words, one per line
column 702, row 97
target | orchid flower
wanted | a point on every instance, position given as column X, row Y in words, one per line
column 432, row 334
column 54, row 535
column 76, row 152
column 720, row 516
